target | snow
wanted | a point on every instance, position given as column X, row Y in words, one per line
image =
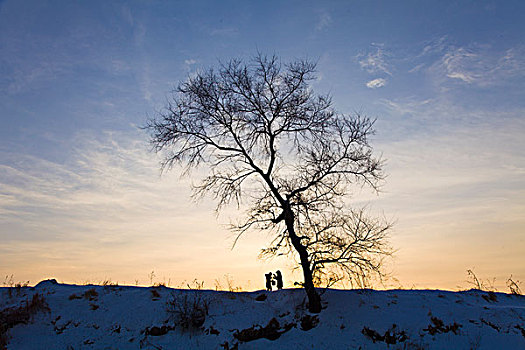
column 124, row 317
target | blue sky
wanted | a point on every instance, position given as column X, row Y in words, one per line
column 82, row 198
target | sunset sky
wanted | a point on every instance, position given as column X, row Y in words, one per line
column 82, row 198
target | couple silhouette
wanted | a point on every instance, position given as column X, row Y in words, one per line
column 274, row 280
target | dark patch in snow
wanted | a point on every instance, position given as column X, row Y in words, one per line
column 158, row 331
column 90, row 294
column 212, row 330
column 521, row 329
column 155, row 295
column 60, row 329
column 226, row 346
column 438, row 326
column 272, row 331
column 490, row 297
column 391, row 336
column 116, row 329
column 372, row 334
column 308, row 322
column 490, row 324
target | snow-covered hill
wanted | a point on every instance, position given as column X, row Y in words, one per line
column 64, row 316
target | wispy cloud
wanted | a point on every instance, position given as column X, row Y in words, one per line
column 455, row 175
column 457, row 65
column 25, row 74
column 478, row 65
column 376, row 83
column 324, row 21
column 126, row 14
column 34, row 59
column 189, row 64
column 437, row 45
column 110, row 182
column 417, row 68
column 145, row 80
column 481, row 65
column 407, row 106
column 375, row 61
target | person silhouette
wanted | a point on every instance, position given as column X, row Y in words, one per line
column 268, row 281
column 279, row 279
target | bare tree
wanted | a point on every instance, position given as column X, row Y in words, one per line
column 269, row 142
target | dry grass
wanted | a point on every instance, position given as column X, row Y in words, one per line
column 23, row 314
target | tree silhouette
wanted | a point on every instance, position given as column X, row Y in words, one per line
column 269, row 141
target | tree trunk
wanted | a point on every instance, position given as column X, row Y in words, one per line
column 314, row 300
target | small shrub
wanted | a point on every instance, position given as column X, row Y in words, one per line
column 151, row 277
column 513, row 286
column 229, row 282
column 196, row 284
column 9, row 282
column 486, row 285
column 109, row 283
column 189, row 311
